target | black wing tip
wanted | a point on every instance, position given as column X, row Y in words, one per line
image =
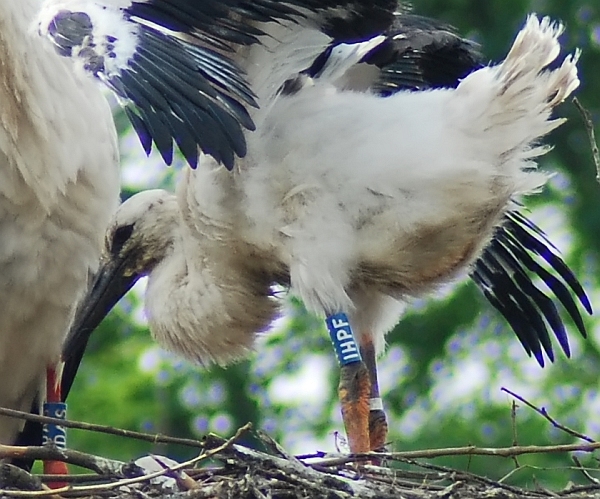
column 585, row 301
column 504, row 273
column 158, row 129
column 185, row 96
column 531, row 240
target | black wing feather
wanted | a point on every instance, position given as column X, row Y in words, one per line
column 140, row 128
column 509, row 285
column 182, row 52
column 213, row 85
column 421, row 53
column 150, row 104
column 534, row 331
column 511, row 311
column 540, row 245
column 558, row 288
column 155, row 83
column 222, row 23
column 535, row 301
column 524, row 262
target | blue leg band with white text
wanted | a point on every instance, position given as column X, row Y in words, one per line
column 55, row 434
column 344, row 343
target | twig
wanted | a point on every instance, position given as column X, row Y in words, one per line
column 83, row 478
column 463, row 475
column 470, row 450
column 315, row 455
column 589, row 128
column 257, row 493
column 511, row 473
column 584, row 471
column 49, row 453
column 524, row 467
column 553, row 422
column 247, row 471
column 273, row 446
column 543, row 489
column 513, row 420
column 296, row 469
column 148, row 437
column 130, row 481
column 492, row 451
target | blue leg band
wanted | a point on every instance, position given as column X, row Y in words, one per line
column 344, row 343
column 55, row 434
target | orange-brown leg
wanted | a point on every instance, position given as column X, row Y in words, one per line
column 354, row 388
column 354, row 392
column 54, row 434
column 378, row 427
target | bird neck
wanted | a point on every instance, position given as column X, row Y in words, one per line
column 204, row 306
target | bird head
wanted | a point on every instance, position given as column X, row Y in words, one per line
column 141, row 232
column 140, row 236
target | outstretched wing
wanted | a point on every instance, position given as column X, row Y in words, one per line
column 168, row 61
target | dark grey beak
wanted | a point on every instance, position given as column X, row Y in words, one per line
column 112, row 281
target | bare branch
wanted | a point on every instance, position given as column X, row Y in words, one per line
column 470, row 450
column 542, row 412
column 589, row 128
column 100, row 465
column 585, row 472
column 148, row 437
column 513, row 420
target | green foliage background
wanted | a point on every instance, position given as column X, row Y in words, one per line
column 446, row 360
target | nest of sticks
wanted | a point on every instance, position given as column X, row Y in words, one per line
column 228, row 469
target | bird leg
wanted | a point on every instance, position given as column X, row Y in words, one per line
column 55, row 434
column 354, row 388
column 378, row 427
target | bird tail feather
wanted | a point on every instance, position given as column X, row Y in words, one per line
column 513, row 101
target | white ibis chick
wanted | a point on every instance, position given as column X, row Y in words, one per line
column 355, row 201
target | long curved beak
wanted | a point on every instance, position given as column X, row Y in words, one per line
column 112, row 281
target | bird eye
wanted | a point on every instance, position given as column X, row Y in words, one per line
column 120, row 237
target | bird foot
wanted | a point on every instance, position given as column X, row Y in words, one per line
column 378, row 430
